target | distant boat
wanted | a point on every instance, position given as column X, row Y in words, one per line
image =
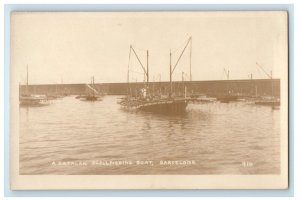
column 33, row 100
column 202, row 99
column 57, row 95
column 54, row 96
column 91, row 93
column 227, row 98
column 28, row 99
column 90, row 98
column 268, row 100
column 268, row 103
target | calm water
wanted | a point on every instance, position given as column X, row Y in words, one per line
column 76, row 137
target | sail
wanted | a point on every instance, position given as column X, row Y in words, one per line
column 90, row 89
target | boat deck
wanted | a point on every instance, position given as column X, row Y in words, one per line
column 160, row 106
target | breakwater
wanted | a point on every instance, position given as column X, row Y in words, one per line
column 259, row 87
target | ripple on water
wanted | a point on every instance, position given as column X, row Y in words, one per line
column 218, row 136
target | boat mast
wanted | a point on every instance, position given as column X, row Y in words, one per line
column 27, row 91
column 226, row 73
column 172, row 69
column 269, row 75
column 184, row 84
column 93, row 86
column 128, row 86
column 181, row 54
column 147, row 68
column 170, row 73
column 191, row 59
column 144, row 69
column 272, row 85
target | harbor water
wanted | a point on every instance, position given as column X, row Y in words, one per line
column 76, row 137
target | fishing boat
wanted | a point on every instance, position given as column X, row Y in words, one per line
column 28, row 100
column 272, row 101
column 202, row 99
column 33, row 100
column 91, row 93
column 146, row 101
column 56, row 95
column 164, row 106
column 228, row 96
column 268, row 101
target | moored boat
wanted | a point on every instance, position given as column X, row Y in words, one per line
column 163, row 106
column 227, row 98
column 91, row 93
column 271, row 101
column 29, row 100
column 33, row 100
column 145, row 101
column 201, row 99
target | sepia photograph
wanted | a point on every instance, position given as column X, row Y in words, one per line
column 172, row 100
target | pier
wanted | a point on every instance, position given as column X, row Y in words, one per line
column 246, row 87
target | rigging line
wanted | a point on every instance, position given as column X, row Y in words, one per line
column 139, row 49
column 128, row 65
column 181, row 54
column 139, row 60
column 180, row 46
column 191, row 60
column 264, row 70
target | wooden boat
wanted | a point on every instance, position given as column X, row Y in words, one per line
column 90, row 98
column 201, row 99
column 33, row 100
column 54, row 96
column 29, row 100
column 91, row 93
column 172, row 106
column 227, row 98
column 145, row 101
column 163, row 106
column 58, row 94
column 270, row 101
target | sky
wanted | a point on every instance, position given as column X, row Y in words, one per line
column 72, row 47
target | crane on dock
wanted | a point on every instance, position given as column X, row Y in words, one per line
column 269, row 75
column 270, row 101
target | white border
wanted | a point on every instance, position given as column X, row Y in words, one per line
column 296, row 62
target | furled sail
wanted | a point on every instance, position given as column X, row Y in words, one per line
column 90, row 89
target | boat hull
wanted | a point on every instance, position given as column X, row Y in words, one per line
column 227, row 99
column 33, row 101
column 165, row 107
column 90, row 98
column 268, row 103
